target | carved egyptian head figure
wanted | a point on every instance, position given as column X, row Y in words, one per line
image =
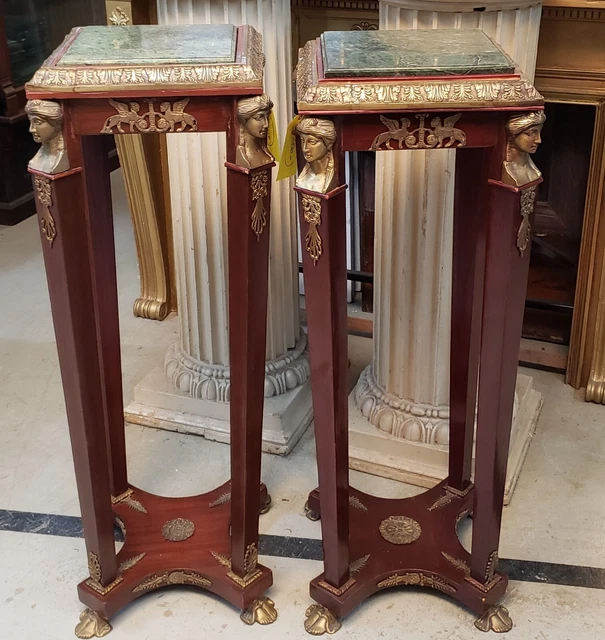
column 253, row 114
column 524, row 136
column 317, row 137
column 46, row 127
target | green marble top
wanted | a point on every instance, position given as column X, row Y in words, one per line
column 152, row 45
column 439, row 52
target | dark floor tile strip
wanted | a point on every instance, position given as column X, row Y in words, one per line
column 311, row 549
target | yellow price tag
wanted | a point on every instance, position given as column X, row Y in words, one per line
column 287, row 164
column 273, row 138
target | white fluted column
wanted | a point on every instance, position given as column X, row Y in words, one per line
column 404, row 392
column 198, row 364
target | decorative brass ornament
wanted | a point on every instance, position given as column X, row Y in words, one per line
column 314, row 516
column 492, row 565
column 94, row 566
column 441, row 501
column 260, row 182
column 422, row 137
column 319, row 620
column 461, row 565
column 253, row 114
column 127, row 499
column 484, row 588
column 153, row 121
column 317, row 138
column 131, row 562
column 524, row 136
column 356, row 566
column 100, row 589
column 178, row 530
column 356, row 503
column 400, row 530
column 222, row 499
column 337, row 591
column 528, row 199
column 44, row 194
column 118, row 17
column 172, row 577
column 311, row 206
column 91, row 625
column 67, row 78
column 496, row 619
column 393, row 94
column 417, row 579
column 46, row 127
column 364, row 26
column 250, row 559
column 262, row 610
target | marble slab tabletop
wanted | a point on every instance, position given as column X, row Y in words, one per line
column 426, row 52
column 191, row 60
column 152, row 44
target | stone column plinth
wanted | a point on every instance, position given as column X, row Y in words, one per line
column 192, row 392
column 399, row 408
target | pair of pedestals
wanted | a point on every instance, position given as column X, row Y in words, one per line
column 136, row 80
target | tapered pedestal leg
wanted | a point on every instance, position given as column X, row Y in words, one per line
column 322, row 221
column 64, row 218
column 248, row 240
column 506, row 270
column 467, row 294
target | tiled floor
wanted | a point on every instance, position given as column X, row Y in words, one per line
column 556, row 515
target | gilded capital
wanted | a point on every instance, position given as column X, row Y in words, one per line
column 46, row 127
column 317, row 138
column 253, row 114
column 524, row 136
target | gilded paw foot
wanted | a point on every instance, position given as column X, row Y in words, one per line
column 262, row 610
column 312, row 515
column 266, row 505
column 496, row 619
column 91, row 625
column 320, row 620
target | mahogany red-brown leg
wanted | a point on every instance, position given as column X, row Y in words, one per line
column 467, row 292
column 61, row 200
column 248, row 240
column 325, row 276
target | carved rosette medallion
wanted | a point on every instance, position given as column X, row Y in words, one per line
column 400, row 530
column 311, row 206
column 119, row 17
column 422, row 137
column 260, row 183
column 44, row 194
column 170, row 578
column 163, row 121
column 528, row 199
column 178, row 530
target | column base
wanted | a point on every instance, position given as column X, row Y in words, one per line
column 425, row 465
column 158, row 404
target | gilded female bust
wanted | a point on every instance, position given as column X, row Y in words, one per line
column 524, row 136
column 253, row 114
column 46, row 127
column 317, row 137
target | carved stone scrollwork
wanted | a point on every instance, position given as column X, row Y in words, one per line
column 213, row 381
column 404, row 419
